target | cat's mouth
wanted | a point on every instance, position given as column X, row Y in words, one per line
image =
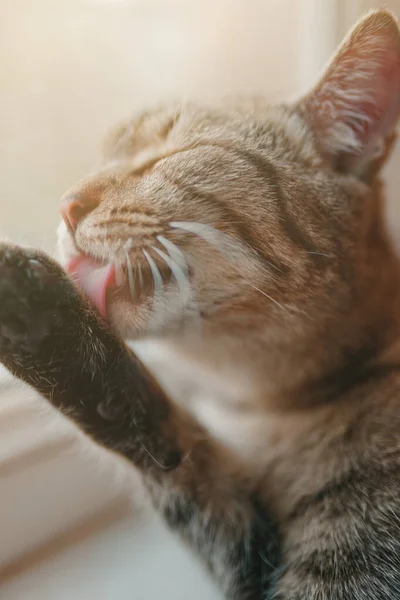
column 101, row 281
column 94, row 279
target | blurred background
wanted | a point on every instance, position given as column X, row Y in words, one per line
column 70, row 69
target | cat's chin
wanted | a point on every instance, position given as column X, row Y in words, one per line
column 109, row 290
column 123, row 316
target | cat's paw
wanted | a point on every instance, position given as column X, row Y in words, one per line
column 34, row 291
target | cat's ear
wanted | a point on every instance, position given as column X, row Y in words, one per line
column 354, row 108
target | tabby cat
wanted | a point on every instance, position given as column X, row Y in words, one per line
column 248, row 242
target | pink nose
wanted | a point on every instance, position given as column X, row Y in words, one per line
column 72, row 211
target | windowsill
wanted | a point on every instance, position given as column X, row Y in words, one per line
column 72, row 525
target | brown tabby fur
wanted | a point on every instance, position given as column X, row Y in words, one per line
column 287, row 481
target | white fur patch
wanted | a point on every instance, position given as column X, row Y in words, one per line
column 210, row 397
column 65, row 244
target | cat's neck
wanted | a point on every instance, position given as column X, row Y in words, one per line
column 285, row 371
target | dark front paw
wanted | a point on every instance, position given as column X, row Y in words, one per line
column 34, row 296
column 52, row 339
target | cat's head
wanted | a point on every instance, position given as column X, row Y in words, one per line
column 247, row 217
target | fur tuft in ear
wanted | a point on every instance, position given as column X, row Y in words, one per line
column 355, row 106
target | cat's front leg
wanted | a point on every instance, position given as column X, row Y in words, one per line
column 51, row 338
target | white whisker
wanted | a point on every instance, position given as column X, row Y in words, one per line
column 180, row 277
column 158, row 304
column 222, row 241
column 157, row 279
column 119, row 273
column 131, row 278
column 225, row 245
column 319, row 254
column 233, row 249
column 175, row 253
column 139, row 267
column 208, row 233
column 269, row 297
column 75, row 277
column 164, row 467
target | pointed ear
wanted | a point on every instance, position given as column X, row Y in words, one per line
column 354, row 108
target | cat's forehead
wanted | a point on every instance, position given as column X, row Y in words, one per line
column 277, row 131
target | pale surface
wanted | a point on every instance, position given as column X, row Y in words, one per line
column 74, row 522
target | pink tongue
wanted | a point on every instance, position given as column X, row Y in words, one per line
column 92, row 279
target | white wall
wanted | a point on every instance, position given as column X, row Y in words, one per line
column 70, row 69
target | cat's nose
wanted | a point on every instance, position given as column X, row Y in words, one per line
column 73, row 210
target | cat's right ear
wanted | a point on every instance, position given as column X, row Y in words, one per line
column 354, row 108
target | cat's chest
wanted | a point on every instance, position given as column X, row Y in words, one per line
column 216, row 400
column 300, row 450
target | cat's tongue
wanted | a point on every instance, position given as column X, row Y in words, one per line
column 93, row 279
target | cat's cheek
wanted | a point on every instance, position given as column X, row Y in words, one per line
column 127, row 320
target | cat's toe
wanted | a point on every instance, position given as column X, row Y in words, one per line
column 32, row 287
